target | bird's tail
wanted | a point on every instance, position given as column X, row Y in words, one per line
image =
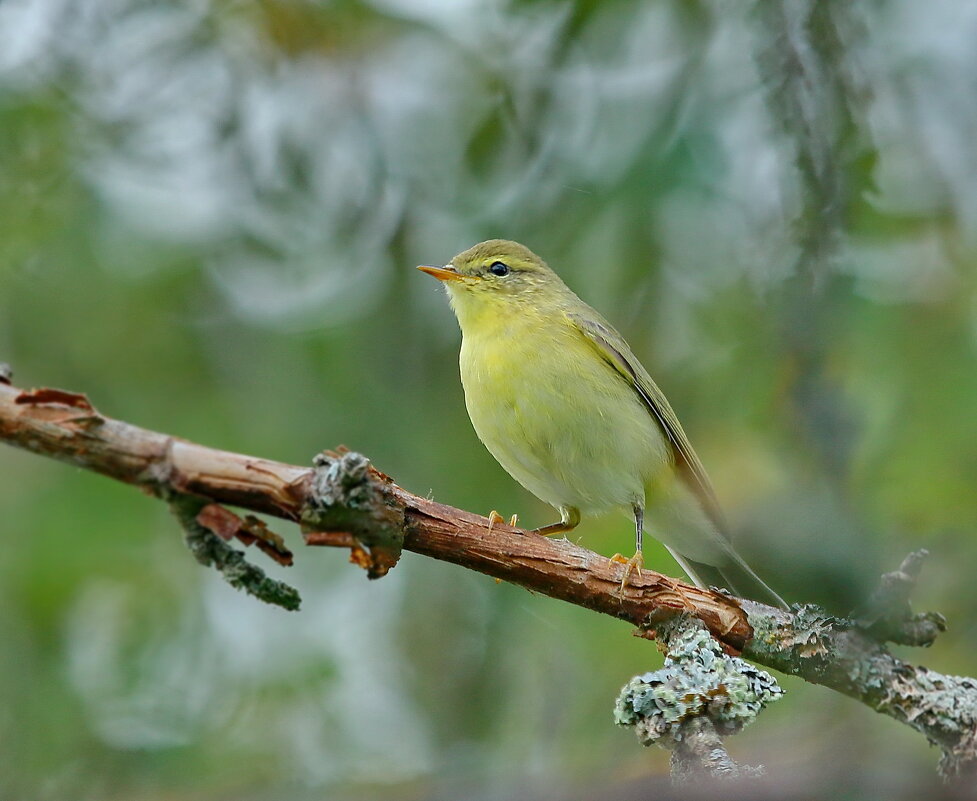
column 735, row 575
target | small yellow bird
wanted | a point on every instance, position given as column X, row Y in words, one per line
column 559, row 399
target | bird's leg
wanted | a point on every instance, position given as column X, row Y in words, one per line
column 494, row 517
column 637, row 561
column 569, row 520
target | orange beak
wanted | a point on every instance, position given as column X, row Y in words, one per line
column 442, row 273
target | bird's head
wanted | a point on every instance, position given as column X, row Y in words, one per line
column 495, row 274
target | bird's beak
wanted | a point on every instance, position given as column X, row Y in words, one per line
column 446, row 273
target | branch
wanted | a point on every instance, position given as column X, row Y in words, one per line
column 343, row 494
column 888, row 614
column 344, row 501
column 209, row 549
column 698, row 695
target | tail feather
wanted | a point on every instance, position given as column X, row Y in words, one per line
column 703, row 550
column 735, row 576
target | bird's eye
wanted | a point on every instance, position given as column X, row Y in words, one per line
column 499, row 268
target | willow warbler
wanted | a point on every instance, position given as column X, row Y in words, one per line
column 559, row 399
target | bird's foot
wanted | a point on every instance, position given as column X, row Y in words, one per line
column 635, row 563
column 569, row 520
column 554, row 529
column 494, row 517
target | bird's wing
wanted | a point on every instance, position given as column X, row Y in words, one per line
column 611, row 347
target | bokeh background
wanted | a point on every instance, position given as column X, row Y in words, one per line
column 210, row 213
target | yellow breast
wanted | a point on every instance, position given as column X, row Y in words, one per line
column 558, row 418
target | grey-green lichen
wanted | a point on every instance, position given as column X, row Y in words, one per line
column 839, row 653
column 697, row 679
column 826, row 649
column 808, row 633
column 340, row 480
column 211, row 551
column 344, row 497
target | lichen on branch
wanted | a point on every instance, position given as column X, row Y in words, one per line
column 698, row 679
column 342, row 500
column 210, row 550
column 700, row 694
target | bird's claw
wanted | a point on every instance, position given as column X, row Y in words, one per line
column 494, row 517
column 635, row 563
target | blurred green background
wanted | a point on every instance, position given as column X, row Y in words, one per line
column 210, row 213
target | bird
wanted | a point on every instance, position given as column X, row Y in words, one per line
column 560, row 400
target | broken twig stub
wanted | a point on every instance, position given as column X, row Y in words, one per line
column 343, row 496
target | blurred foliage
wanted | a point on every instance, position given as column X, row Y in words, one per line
column 209, row 218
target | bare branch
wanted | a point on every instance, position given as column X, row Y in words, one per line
column 345, row 494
